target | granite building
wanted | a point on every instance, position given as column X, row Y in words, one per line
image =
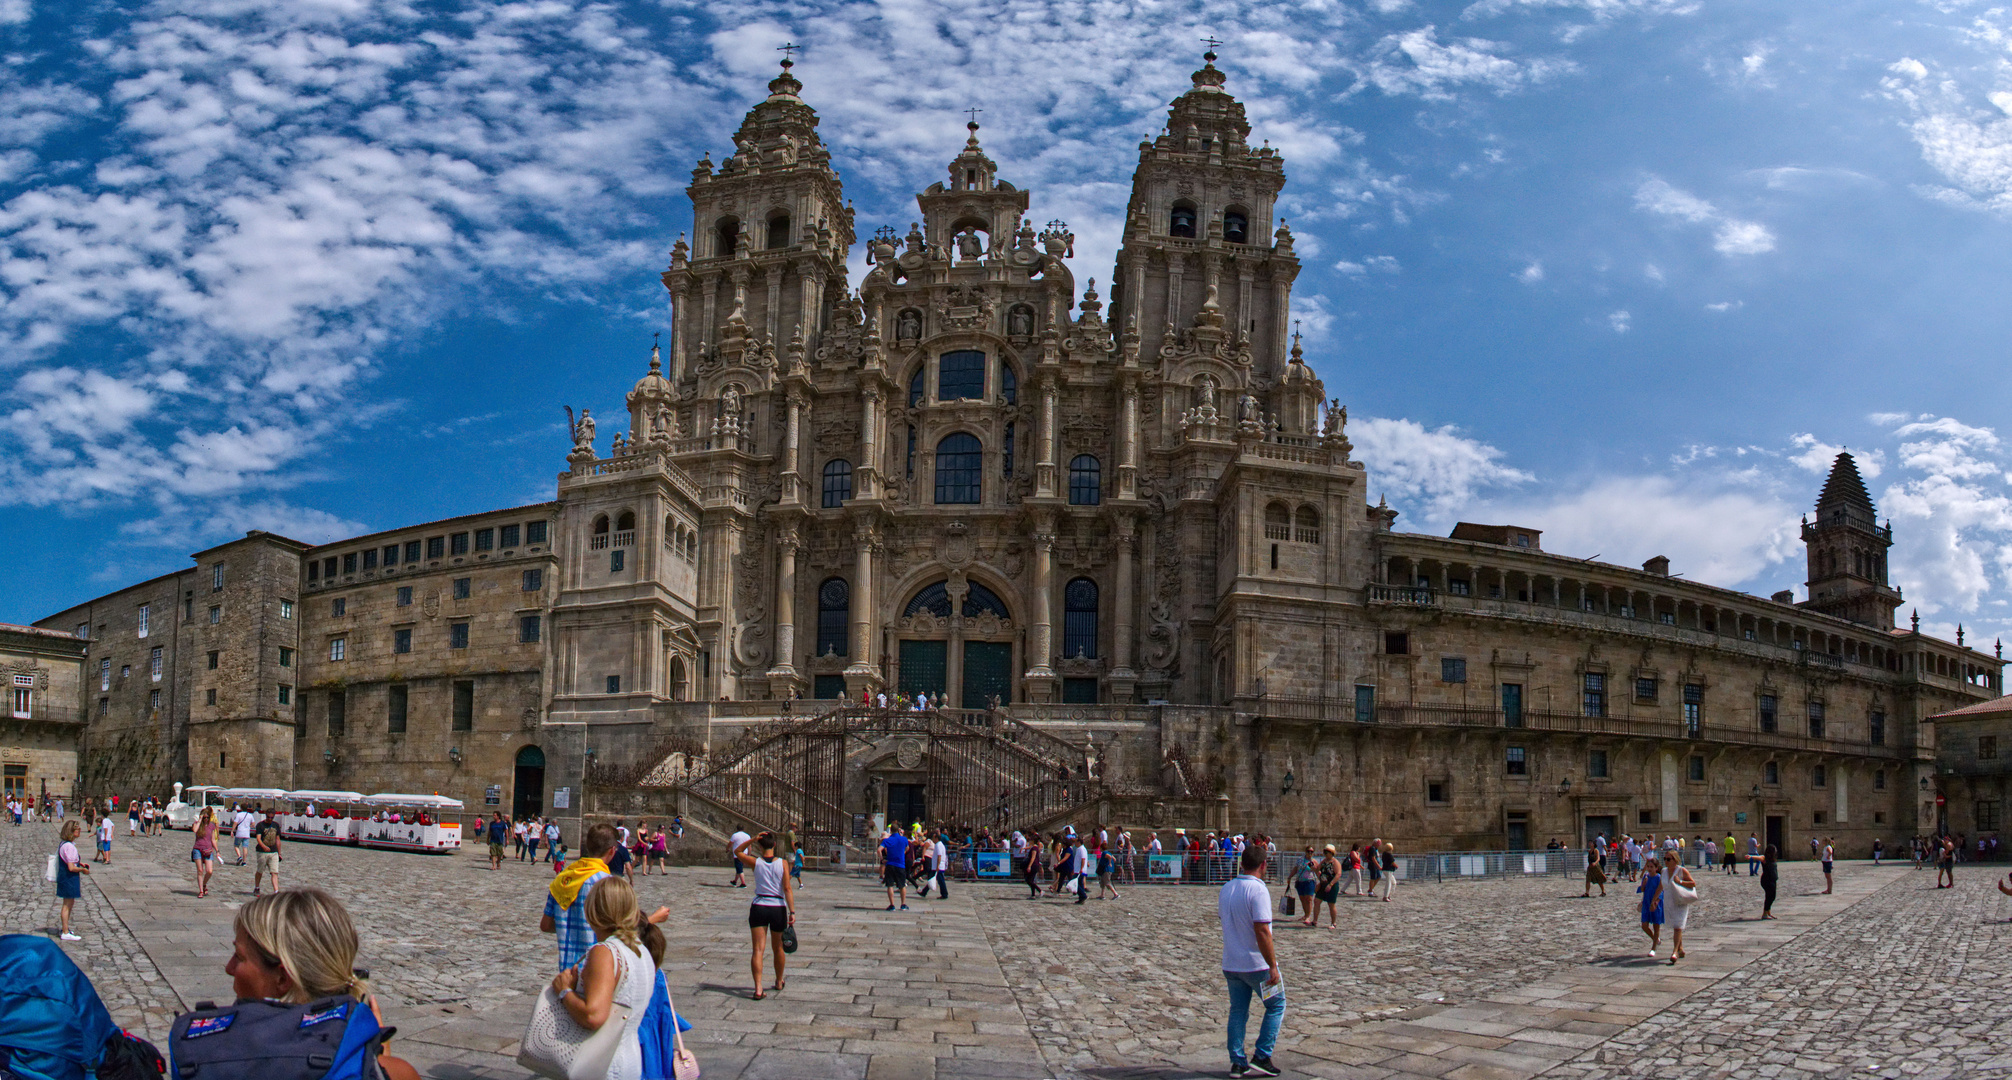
column 1135, row 527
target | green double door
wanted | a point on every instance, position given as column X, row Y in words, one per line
column 987, row 670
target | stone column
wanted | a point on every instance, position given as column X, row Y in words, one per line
column 1040, row 676
column 861, row 672
column 792, row 479
column 1123, row 678
column 782, row 677
column 1128, row 442
column 1044, row 461
column 867, row 471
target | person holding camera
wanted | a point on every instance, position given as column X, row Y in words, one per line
column 773, row 911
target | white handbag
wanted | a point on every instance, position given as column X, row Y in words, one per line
column 49, row 870
column 555, row 1045
column 1682, row 895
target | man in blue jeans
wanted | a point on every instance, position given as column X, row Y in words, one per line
column 1250, row 964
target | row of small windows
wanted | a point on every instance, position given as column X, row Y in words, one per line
column 397, row 712
column 506, row 537
column 960, row 460
column 1181, row 223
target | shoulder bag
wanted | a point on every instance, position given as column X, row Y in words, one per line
column 556, row 1046
column 1682, row 895
column 684, row 1066
column 49, row 869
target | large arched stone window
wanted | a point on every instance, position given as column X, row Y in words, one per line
column 1079, row 620
column 834, row 615
column 935, row 599
column 959, row 469
column 960, row 376
column 837, row 482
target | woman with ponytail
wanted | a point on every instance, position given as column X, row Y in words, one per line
column 615, row 983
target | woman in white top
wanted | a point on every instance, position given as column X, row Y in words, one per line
column 1675, row 915
column 614, row 983
column 774, row 908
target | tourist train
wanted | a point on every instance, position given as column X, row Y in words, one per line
column 387, row 820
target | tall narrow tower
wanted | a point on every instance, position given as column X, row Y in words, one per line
column 1847, row 552
column 1199, row 228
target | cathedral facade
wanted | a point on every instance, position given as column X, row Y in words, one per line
column 1133, row 526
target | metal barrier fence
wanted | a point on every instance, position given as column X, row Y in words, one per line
column 1215, row 869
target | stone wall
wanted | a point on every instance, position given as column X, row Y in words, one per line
column 40, row 721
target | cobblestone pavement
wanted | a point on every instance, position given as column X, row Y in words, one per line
column 1908, row 983
column 1503, row 978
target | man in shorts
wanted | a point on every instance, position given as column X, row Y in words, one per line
column 894, row 866
column 241, row 831
column 498, row 830
column 265, row 849
column 734, row 843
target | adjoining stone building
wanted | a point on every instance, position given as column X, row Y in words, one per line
column 1140, row 534
column 1973, row 770
column 42, row 723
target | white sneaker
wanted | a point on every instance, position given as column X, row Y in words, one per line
column 73, row 937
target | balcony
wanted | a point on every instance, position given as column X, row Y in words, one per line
column 1409, row 595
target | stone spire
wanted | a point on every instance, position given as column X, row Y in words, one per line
column 1844, row 494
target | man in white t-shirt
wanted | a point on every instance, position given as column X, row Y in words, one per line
column 1250, row 964
column 241, row 834
column 941, row 863
column 105, row 840
column 1153, row 846
column 734, row 843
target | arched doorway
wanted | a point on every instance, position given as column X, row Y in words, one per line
column 528, row 800
column 967, row 645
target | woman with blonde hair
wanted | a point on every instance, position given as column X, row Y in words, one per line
column 205, row 852
column 617, row 974
column 298, row 946
column 70, row 871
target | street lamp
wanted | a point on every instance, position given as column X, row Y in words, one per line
column 454, row 753
column 1756, row 791
column 1564, row 787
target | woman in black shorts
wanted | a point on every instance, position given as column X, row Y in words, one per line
column 774, row 908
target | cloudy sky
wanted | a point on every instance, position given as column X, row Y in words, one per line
column 1628, row 271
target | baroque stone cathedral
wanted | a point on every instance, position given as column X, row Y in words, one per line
column 1137, row 530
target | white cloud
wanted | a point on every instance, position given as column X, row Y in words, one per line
column 1381, row 264
column 1952, row 513
column 1417, row 62
column 1726, row 305
column 1652, row 272
column 1815, row 456
column 1730, row 235
column 1531, row 274
column 1909, row 67
column 1620, row 321
column 1432, row 471
column 15, row 11
column 1629, row 519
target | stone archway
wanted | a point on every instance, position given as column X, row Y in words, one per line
column 956, row 635
column 527, row 799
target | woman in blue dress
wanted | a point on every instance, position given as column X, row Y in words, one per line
column 1651, row 889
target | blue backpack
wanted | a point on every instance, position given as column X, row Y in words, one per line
column 335, row 1038
column 53, row 1025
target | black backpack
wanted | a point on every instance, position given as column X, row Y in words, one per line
column 335, row 1038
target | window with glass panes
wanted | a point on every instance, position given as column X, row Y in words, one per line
column 960, row 375
column 959, row 469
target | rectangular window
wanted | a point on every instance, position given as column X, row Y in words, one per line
column 104, row 707
column 1767, row 713
column 1879, row 780
column 1458, row 587
column 1435, row 792
column 1697, row 817
column 1694, row 710
column 401, row 640
column 412, row 551
column 24, row 697
column 1697, row 772
column 1816, row 719
column 1594, row 702
column 314, row 569
column 1645, row 689
column 405, row 596
column 286, row 695
column 396, row 699
column 124, row 670
column 1512, row 704
column 216, row 577
column 436, row 546
column 1818, row 777
column 509, row 537
column 349, row 563
column 1987, row 746
column 534, row 532
column 1771, row 773
column 1516, row 764
column 485, row 539
column 338, row 713
column 1667, row 618
column 391, row 554
column 188, row 610
column 461, row 587
column 328, row 566
column 1987, row 815
column 213, row 660
column 464, row 706
column 209, row 697
column 337, row 647
column 1596, row 764
column 1396, row 644
column 84, row 630
column 154, row 663
column 370, row 559
column 285, row 656
column 1876, row 729
column 146, row 613
column 1079, row 691
column 339, row 606
column 458, row 544
column 1365, row 703
column 614, row 684
column 615, row 560
column 528, row 628
column 1453, row 669
column 216, row 615
column 534, row 580
column 286, row 609
column 457, row 635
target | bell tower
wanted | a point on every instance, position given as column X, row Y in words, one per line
column 1847, row 552
column 1199, row 231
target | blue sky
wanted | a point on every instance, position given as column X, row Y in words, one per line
column 1628, row 271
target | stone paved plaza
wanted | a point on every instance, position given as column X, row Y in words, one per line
column 1504, row 978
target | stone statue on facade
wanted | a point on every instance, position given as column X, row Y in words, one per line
column 730, row 402
column 969, row 247
column 915, row 238
column 908, row 326
column 583, row 429
column 1020, row 322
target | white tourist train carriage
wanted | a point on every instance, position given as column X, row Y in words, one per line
column 376, row 829
column 323, row 816
column 255, row 799
column 187, row 805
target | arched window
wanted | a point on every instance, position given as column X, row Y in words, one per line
column 960, row 375
column 979, row 600
column 935, row 599
column 1277, row 522
column 1086, row 481
column 778, row 232
column 627, row 522
column 680, row 687
column 834, row 614
column 601, row 523
column 1236, row 227
column 1009, row 384
column 959, row 469
column 1182, row 223
column 837, row 482
column 1079, row 620
column 918, row 386
column 727, row 237
column 1306, row 525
